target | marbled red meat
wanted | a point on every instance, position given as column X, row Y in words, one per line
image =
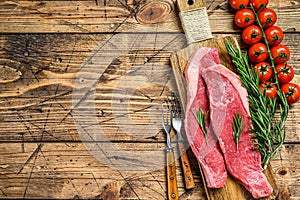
column 215, row 88
column 227, row 98
column 208, row 154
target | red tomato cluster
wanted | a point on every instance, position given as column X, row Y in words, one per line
column 258, row 54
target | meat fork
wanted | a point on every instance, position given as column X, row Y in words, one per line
column 177, row 124
column 171, row 168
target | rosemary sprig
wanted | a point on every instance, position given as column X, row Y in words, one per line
column 277, row 127
column 269, row 133
column 237, row 128
column 201, row 119
column 283, row 105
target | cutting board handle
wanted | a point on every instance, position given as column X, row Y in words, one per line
column 184, row 5
column 194, row 20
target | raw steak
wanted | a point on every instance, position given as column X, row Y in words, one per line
column 208, row 154
column 227, row 97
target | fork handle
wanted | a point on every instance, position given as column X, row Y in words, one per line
column 186, row 167
column 171, row 176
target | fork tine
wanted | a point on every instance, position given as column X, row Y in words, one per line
column 177, row 108
column 163, row 114
column 174, row 106
column 171, row 111
column 165, row 118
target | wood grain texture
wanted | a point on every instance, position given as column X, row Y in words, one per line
column 67, row 170
column 89, row 16
column 44, row 46
column 40, row 89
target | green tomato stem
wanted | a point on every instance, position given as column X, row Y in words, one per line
column 268, row 46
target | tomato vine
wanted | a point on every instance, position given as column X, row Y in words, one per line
column 264, row 97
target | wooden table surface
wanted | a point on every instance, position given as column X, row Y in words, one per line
column 80, row 94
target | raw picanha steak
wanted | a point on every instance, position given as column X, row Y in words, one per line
column 208, row 154
column 227, row 98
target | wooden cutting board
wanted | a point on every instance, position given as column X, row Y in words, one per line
column 232, row 189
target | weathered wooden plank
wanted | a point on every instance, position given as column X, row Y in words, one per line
column 64, row 170
column 286, row 169
column 91, row 16
column 38, row 75
column 67, row 169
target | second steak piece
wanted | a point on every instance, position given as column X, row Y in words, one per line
column 228, row 98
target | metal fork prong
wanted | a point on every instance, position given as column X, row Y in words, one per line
column 167, row 125
column 171, row 103
column 173, row 107
column 177, row 107
column 171, row 111
column 169, row 114
column 164, row 117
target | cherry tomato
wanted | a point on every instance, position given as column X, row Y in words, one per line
column 244, row 17
column 269, row 89
column 252, row 34
column 238, row 4
column 264, row 70
column 285, row 73
column 267, row 17
column 257, row 4
column 280, row 53
column 291, row 91
column 258, row 52
column 274, row 35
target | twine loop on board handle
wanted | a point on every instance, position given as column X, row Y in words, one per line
column 195, row 24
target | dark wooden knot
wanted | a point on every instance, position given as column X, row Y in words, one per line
column 154, row 12
column 282, row 172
